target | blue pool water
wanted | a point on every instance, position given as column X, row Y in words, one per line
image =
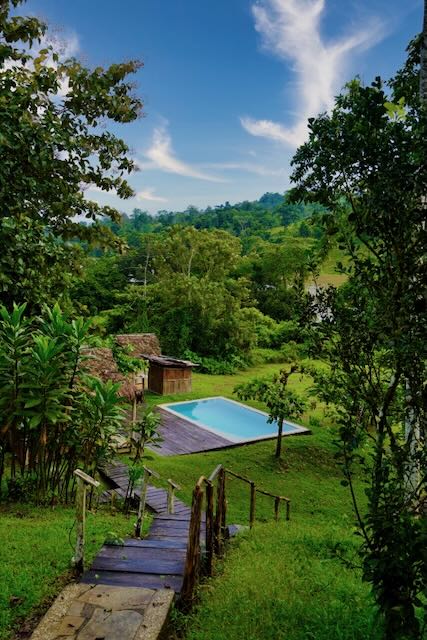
column 233, row 420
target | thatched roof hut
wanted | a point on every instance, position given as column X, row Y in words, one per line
column 140, row 343
column 100, row 363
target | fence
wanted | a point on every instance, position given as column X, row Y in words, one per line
column 215, row 524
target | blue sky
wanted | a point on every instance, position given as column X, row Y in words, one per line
column 228, row 84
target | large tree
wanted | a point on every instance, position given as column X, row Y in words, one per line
column 53, row 146
column 366, row 162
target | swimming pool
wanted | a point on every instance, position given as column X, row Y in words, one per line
column 233, row 420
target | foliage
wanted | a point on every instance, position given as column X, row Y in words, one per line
column 195, row 291
column 145, row 431
column 52, row 142
column 54, row 417
column 216, row 366
column 369, row 170
column 282, row 403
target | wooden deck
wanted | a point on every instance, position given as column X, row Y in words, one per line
column 180, row 437
column 156, row 562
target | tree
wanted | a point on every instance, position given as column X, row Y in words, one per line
column 145, row 431
column 423, row 59
column 366, row 163
column 282, row 403
column 53, row 417
column 53, row 145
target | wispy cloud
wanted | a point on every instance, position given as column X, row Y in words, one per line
column 290, row 29
column 161, row 156
column 148, row 194
column 247, row 167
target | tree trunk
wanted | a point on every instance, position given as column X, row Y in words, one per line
column 279, row 439
column 423, row 67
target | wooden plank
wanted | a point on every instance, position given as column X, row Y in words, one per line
column 155, row 566
column 164, row 543
column 174, row 517
column 169, row 524
column 127, row 553
column 169, row 535
column 124, row 579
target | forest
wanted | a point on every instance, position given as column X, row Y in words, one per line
column 214, row 285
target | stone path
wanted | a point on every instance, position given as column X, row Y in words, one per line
column 100, row 612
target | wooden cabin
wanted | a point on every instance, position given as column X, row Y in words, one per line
column 168, row 375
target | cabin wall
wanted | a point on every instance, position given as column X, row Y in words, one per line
column 169, row 380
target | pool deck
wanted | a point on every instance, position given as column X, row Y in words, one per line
column 181, row 436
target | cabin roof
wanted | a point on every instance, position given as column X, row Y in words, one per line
column 169, row 361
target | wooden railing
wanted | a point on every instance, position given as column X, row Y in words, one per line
column 172, row 487
column 215, row 524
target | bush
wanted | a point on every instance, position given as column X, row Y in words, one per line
column 217, row 366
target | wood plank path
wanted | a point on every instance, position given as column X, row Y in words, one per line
column 156, row 562
column 181, row 436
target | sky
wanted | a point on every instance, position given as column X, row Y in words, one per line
column 228, row 85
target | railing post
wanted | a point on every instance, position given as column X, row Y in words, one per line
column 172, row 486
column 276, row 508
column 220, row 513
column 83, row 481
column 141, row 506
column 209, row 526
column 252, row 508
column 142, row 499
column 192, row 562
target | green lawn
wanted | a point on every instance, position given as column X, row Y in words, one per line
column 35, row 554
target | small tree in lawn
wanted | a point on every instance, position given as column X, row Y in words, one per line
column 282, row 403
column 146, row 432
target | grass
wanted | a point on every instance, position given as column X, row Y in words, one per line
column 35, row 554
column 286, row 579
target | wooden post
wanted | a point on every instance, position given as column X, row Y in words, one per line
column 172, row 487
column 209, row 527
column 252, row 508
column 142, row 499
column 288, row 510
column 78, row 559
column 224, row 505
column 192, row 561
column 141, row 505
column 220, row 514
column 276, row 508
column 134, row 403
column 83, row 480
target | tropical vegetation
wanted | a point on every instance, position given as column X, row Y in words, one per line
column 231, row 287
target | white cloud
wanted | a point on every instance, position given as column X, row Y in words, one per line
column 148, row 194
column 290, row 29
column 248, row 167
column 162, row 156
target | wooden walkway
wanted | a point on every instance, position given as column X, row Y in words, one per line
column 180, row 437
column 156, row 562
